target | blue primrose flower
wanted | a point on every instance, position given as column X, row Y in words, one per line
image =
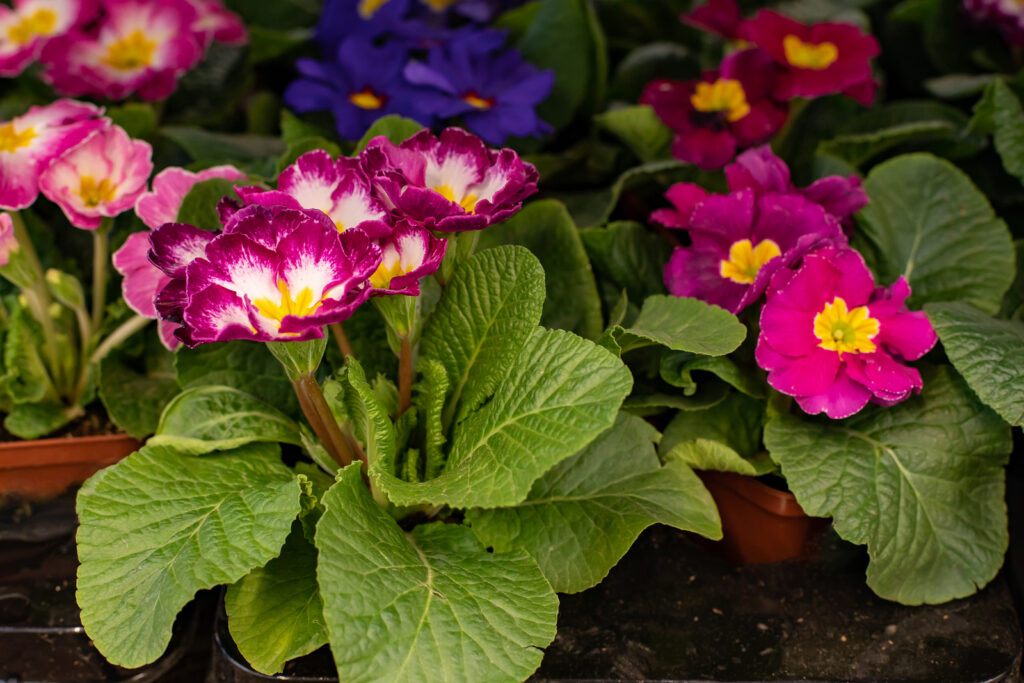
column 362, row 83
column 407, row 21
column 494, row 91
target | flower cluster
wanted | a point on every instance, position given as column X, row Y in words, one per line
column 1006, row 15
column 827, row 336
column 333, row 233
column 399, row 57
column 113, row 48
column 744, row 102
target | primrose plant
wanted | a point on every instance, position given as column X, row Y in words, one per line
column 420, row 518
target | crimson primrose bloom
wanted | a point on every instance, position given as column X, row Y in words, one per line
column 833, row 341
column 724, row 111
column 822, row 59
column 721, row 17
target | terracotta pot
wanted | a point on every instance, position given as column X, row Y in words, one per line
column 759, row 523
column 44, row 468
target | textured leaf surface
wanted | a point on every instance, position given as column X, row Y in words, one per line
column 640, row 129
column 159, row 526
column 561, row 392
column 629, row 256
column 920, row 483
column 684, row 324
column 134, row 401
column 244, row 365
column 928, row 222
column 989, row 354
column 199, row 207
column 275, row 613
column 724, row 437
column 430, row 605
column 999, row 112
column 584, row 514
column 489, row 309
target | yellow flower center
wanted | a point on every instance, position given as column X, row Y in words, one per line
column 366, row 99
column 725, row 95
column 745, row 260
column 439, row 5
column 382, row 277
column 468, row 202
column 12, row 140
column 845, row 331
column 93, row 194
column 474, row 100
column 367, row 8
column 808, row 55
column 300, row 306
column 130, row 52
column 39, row 23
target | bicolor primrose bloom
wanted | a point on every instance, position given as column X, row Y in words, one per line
column 448, row 183
column 26, row 27
column 101, row 177
column 214, row 22
column 407, row 254
column 135, row 47
column 739, row 242
column 8, row 242
column 28, row 143
column 274, row 274
column 340, row 189
column 833, row 341
column 725, row 110
column 816, row 60
column 494, row 91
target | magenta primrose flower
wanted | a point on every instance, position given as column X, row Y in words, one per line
column 448, row 183
column 274, row 274
column 721, row 17
column 7, row 239
column 26, row 27
column 833, row 341
column 407, row 254
column 101, row 177
column 1006, row 15
column 28, row 143
column 214, row 22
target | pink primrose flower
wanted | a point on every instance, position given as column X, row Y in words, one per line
column 26, row 27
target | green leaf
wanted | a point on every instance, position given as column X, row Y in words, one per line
column 988, row 353
column 223, row 148
column 650, row 61
column 29, row 381
column 215, row 418
column 299, row 147
column 275, row 613
column 594, row 208
column 134, row 400
column 546, row 229
column 425, row 606
column 244, row 365
column 35, row 420
column 724, row 437
column 395, row 128
column 928, row 222
column 490, row 308
column 955, row 86
column 628, row 256
column 299, row 358
column 640, row 129
column 999, row 112
column 560, row 393
column 199, row 208
column 677, row 369
column 433, row 388
column 266, row 43
column 683, row 324
column 137, row 118
column 370, row 421
column 921, row 483
column 584, row 514
column 158, row 526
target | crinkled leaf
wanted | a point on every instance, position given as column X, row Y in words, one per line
column 370, row 421
column 928, row 222
column 561, row 392
column 429, row 605
column 275, row 612
column 988, row 353
column 921, row 483
column 244, row 365
column 215, row 418
column 199, row 207
column 999, row 112
column 726, row 436
column 134, row 400
column 35, row 420
column 629, row 257
column 584, row 514
column 677, row 369
column 29, row 381
column 433, row 388
column 683, row 324
column 640, row 129
column 159, row 526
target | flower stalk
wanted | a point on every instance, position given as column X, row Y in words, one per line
column 405, row 375
column 341, row 339
column 100, row 255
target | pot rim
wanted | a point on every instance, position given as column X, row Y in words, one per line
column 771, row 500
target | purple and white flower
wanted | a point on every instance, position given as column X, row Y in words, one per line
column 407, row 254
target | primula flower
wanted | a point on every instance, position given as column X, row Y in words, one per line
column 339, row 189
column 448, row 183
column 170, row 186
column 214, row 22
column 721, row 17
column 7, row 239
column 407, row 254
column 361, row 84
column 494, row 91
column 817, row 60
column 726, row 110
column 1006, row 15
column 833, row 341
column 28, row 143
column 101, row 177
column 740, row 241
column 274, row 274
column 136, row 47
column 25, row 28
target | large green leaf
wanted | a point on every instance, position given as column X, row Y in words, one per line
column 724, row 437
column 29, row 380
column 561, row 392
column 215, row 418
column 244, row 365
column 682, row 324
column 395, row 128
column 134, row 400
column 583, row 515
column 429, row 605
column 199, row 206
column 628, row 256
column 159, row 526
column 640, row 129
column 275, row 612
column 928, row 222
column 205, row 145
column 489, row 309
column 920, row 483
column 989, row 354
column 547, row 230
column 999, row 112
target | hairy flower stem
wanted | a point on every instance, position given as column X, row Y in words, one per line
column 100, row 256
column 321, row 419
column 341, row 339
column 405, row 375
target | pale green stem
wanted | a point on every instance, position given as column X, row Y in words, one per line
column 100, row 256
column 116, row 338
